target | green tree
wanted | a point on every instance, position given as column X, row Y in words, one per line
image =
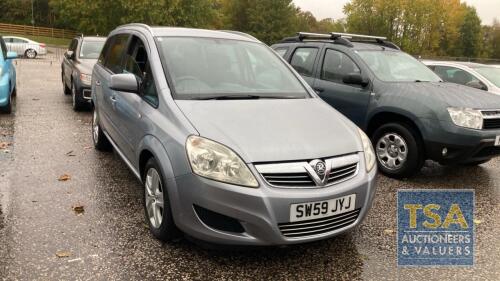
column 470, row 33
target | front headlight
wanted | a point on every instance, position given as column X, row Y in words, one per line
column 85, row 78
column 466, row 117
column 216, row 161
column 1, row 71
column 368, row 151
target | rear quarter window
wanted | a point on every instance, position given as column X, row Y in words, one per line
column 303, row 60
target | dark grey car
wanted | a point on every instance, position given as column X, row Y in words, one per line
column 231, row 145
column 76, row 68
column 410, row 114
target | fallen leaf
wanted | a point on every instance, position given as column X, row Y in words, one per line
column 4, row 145
column 64, row 177
column 63, row 254
column 476, row 221
column 388, row 231
column 87, row 147
column 35, row 99
column 70, row 153
column 78, row 209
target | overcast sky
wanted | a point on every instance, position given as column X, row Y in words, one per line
column 487, row 9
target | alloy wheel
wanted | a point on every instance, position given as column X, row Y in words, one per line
column 392, row 151
column 31, row 54
column 154, row 197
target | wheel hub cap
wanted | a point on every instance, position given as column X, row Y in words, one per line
column 392, row 151
column 154, row 198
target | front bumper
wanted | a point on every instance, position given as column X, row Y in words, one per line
column 258, row 210
column 463, row 145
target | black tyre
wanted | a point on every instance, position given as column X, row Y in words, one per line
column 14, row 92
column 477, row 163
column 77, row 101
column 7, row 109
column 399, row 150
column 157, row 204
column 30, row 54
column 66, row 90
column 99, row 139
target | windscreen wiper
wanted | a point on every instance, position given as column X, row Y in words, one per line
column 244, row 97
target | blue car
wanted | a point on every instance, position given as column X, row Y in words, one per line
column 7, row 78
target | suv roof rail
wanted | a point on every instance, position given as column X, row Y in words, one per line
column 345, row 39
column 143, row 25
column 240, row 33
column 351, row 36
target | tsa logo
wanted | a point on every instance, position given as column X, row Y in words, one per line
column 435, row 227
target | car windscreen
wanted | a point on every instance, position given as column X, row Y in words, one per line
column 210, row 67
column 91, row 49
column 490, row 73
column 390, row 66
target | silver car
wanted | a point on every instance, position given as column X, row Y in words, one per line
column 231, row 145
column 25, row 47
column 480, row 76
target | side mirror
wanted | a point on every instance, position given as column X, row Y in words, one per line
column 11, row 55
column 355, row 79
column 69, row 55
column 478, row 85
column 125, row 82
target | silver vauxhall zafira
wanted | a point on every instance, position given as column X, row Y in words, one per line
column 230, row 143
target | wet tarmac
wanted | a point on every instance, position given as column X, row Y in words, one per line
column 43, row 238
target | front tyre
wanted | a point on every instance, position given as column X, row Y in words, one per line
column 7, row 109
column 99, row 139
column 399, row 150
column 30, row 54
column 77, row 101
column 157, row 204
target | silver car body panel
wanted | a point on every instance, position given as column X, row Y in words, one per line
column 258, row 130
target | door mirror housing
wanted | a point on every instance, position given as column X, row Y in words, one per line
column 355, row 79
column 69, row 55
column 11, row 55
column 478, row 85
column 125, row 82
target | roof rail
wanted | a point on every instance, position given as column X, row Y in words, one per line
column 139, row 25
column 351, row 36
column 240, row 33
column 345, row 39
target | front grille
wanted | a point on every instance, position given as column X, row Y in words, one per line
column 288, row 179
column 489, row 151
column 491, row 124
column 342, row 173
column 318, row 226
column 303, row 175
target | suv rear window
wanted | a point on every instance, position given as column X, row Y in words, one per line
column 303, row 60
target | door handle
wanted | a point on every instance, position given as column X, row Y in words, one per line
column 113, row 99
column 319, row 90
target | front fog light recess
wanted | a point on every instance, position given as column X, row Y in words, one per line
column 368, row 151
column 466, row 117
column 216, row 161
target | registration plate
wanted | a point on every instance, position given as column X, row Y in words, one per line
column 497, row 141
column 322, row 209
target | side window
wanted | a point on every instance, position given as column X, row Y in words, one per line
column 72, row 45
column 303, row 60
column 19, row 41
column 137, row 63
column 104, row 50
column 4, row 48
column 115, row 53
column 456, row 75
column 281, row 51
column 337, row 65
